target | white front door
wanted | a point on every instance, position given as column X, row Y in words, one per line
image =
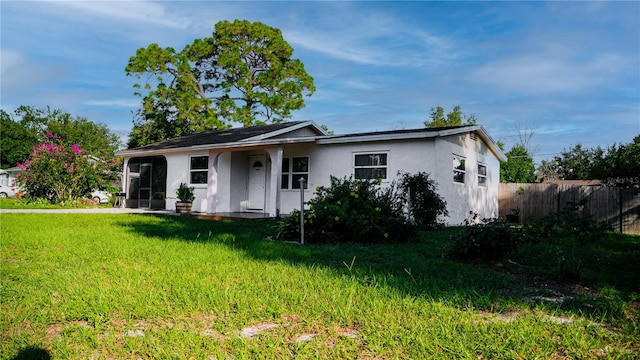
column 257, row 182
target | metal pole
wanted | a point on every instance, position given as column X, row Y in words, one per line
column 302, row 210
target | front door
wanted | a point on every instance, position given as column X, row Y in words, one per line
column 257, row 182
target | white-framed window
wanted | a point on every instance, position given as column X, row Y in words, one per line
column 198, row 171
column 370, row 166
column 482, row 175
column 294, row 169
column 459, row 169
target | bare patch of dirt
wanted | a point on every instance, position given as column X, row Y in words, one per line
column 257, row 329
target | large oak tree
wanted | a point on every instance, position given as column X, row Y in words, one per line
column 244, row 73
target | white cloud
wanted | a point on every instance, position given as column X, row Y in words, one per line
column 538, row 73
column 360, row 35
column 126, row 103
column 134, row 11
column 9, row 59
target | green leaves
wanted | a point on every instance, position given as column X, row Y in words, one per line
column 243, row 74
column 519, row 167
column 454, row 118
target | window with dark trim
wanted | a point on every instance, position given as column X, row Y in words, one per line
column 294, row 169
column 482, row 175
column 198, row 169
column 370, row 166
column 458, row 169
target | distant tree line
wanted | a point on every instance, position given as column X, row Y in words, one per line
column 617, row 165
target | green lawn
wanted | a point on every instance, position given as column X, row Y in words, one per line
column 144, row 286
column 24, row 203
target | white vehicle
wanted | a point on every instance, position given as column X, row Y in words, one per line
column 7, row 191
column 101, row 197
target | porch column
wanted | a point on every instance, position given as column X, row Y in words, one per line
column 212, row 181
column 124, row 188
column 273, row 207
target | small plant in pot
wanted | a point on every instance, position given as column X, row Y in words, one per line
column 185, row 197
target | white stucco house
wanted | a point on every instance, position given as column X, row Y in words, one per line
column 258, row 168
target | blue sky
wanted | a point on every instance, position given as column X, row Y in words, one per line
column 569, row 71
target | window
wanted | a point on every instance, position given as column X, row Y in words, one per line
column 458, row 169
column 198, row 169
column 370, row 166
column 294, row 169
column 482, row 175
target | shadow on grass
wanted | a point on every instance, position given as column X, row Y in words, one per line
column 32, row 353
column 417, row 269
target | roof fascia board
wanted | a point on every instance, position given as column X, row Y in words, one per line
column 286, row 130
column 493, row 146
column 399, row 136
column 234, row 145
column 339, row 139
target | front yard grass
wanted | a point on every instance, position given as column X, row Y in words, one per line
column 23, row 203
column 144, row 286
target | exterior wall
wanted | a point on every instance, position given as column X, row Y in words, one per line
column 463, row 198
column 178, row 172
column 433, row 156
column 338, row 160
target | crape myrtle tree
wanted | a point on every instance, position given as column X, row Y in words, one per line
column 244, row 73
column 29, row 126
column 61, row 172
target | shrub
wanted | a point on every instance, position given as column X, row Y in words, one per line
column 569, row 222
column 185, row 193
column 425, row 207
column 492, row 239
column 350, row 211
column 59, row 172
column 488, row 239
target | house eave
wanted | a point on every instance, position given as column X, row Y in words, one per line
column 233, row 145
column 287, row 130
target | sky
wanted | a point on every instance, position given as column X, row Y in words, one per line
column 566, row 72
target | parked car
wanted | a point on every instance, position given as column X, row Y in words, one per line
column 7, row 191
column 100, row 196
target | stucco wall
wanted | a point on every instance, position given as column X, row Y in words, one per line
column 338, row 160
column 433, row 156
column 463, row 198
column 178, row 172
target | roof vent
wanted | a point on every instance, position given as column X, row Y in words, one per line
column 473, row 136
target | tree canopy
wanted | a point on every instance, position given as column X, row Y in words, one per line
column 618, row 165
column 519, row 167
column 244, row 73
column 30, row 125
column 454, row 118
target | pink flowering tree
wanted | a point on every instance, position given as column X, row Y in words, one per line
column 60, row 172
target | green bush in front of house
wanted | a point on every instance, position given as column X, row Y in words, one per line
column 352, row 210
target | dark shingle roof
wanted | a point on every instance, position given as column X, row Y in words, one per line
column 217, row 136
column 395, row 132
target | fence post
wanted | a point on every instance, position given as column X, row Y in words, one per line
column 621, row 199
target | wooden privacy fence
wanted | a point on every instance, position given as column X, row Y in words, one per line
column 620, row 207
